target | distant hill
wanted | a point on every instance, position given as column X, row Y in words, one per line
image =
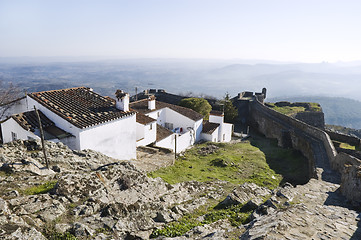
column 338, row 111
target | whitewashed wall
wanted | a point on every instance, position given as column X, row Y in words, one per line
column 213, row 137
column 184, row 141
column 139, row 131
column 11, row 125
column 227, row 130
column 149, row 134
column 116, row 139
column 167, row 142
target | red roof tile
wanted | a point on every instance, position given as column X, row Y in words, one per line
column 80, row 106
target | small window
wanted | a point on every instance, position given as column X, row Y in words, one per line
column 224, row 137
column 150, row 126
column 158, row 114
column 14, row 136
column 169, row 126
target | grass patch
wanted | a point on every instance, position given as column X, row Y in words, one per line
column 40, row 189
column 259, row 161
column 235, row 214
column 236, row 163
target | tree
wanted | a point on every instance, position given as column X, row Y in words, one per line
column 8, row 93
column 230, row 112
column 199, row 105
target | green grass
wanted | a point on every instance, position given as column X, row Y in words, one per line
column 40, row 189
column 247, row 161
column 235, row 214
column 289, row 110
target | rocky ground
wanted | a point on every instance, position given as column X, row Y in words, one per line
column 96, row 197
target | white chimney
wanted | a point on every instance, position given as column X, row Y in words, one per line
column 216, row 117
column 122, row 100
column 151, row 102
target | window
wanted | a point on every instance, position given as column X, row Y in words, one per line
column 224, row 137
column 150, row 126
column 158, row 114
column 14, row 136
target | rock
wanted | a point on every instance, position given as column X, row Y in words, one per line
column 4, row 209
column 245, row 193
column 163, row 217
column 82, row 230
column 26, row 234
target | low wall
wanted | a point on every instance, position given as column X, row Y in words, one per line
column 314, row 143
column 355, row 141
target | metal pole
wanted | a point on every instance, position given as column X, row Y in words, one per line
column 42, row 137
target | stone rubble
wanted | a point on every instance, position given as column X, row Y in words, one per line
column 97, row 197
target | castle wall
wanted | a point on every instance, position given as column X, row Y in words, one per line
column 314, row 143
column 316, row 119
column 344, row 138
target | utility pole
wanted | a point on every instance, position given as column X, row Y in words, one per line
column 42, row 137
column 136, row 94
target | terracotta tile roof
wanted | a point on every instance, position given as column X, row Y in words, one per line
column 162, row 132
column 143, row 119
column 216, row 113
column 142, row 107
column 80, row 106
column 209, row 127
column 29, row 122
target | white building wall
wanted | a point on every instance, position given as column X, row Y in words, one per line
column 149, row 132
column 159, row 115
column 11, row 125
column 213, row 137
column 17, row 107
column 139, row 131
column 167, row 142
column 184, row 141
column 116, row 139
column 227, row 131
column 72, row 143
column 198, row 127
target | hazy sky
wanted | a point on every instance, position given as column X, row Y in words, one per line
column 286, row 30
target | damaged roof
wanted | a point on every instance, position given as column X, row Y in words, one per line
column 29, row 121
column 80, row 106
column 142, row 107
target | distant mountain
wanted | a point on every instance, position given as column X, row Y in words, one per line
column 338, row 111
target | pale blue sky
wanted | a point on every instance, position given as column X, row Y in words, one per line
column 285, row 30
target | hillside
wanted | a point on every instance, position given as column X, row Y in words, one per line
column 90, row 196
column 338, row 111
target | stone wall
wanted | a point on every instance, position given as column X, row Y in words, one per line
column 314, row 143
column 350, row 169
column 316, row 119
column 355, row 141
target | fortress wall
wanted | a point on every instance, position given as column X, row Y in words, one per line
column 344, row 138
column 291, row 132
column 350, row 168
column 316, row 119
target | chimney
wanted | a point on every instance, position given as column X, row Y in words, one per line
column 122, row 100
column 151, row 102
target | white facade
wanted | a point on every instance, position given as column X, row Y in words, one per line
column 116, row 138
column 225, row 129
column 213, row 137
column 146, row 134
column 11, row 131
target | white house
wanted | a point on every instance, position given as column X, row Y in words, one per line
column 224, row 130
column 185, row 123
column 89, row 120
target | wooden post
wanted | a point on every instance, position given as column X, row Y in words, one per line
column 175, row 146
column 42, row 138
